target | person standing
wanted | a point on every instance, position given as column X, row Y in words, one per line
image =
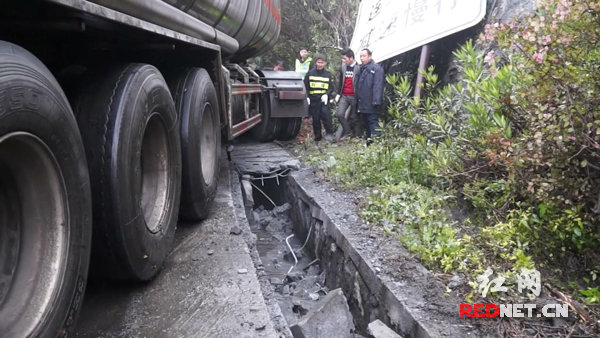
column 279, row 66
column 319, row 85
column 304, row 62
column 369, row 93
column 347, row 81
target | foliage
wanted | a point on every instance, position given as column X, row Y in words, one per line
column 516, row 138
column 592, row 295
column 419, row 216
column 561, row 118
column 511, row 150
column 323, row 26
column 387, row 161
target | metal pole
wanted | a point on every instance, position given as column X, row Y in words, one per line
column 423, row 64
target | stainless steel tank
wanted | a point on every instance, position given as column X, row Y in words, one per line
column 255, row 24
column 243, row 28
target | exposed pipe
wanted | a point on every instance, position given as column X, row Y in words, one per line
column 293, row 254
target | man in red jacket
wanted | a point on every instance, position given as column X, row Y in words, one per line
column 347, row 81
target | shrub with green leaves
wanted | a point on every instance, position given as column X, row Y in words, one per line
column 520, row 131
column 517, row 138
column 421, row 219
column 556, row 112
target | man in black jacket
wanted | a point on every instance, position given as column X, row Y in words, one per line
column 319, row 85
column 347, row 80
column 370, row 93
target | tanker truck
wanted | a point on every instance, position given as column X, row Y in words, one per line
column 112, row 116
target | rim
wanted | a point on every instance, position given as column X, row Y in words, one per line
column 154, row 167
column 208, row 145
column 34, row 231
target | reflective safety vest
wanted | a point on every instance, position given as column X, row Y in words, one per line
column 303, row 67
column 317, row 84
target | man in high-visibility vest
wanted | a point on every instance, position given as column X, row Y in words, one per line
column 319, row 85
column 304, row 62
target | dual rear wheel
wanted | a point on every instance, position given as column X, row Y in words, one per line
column 270, row 128
column 112, row 167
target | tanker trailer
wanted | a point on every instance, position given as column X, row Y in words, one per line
column 112, row 114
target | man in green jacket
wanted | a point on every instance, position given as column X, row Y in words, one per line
column 304, row 62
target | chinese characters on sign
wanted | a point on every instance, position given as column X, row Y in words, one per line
column 391, row 27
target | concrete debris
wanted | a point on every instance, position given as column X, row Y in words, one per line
column 247, row 191
column 456, row 281
column 295, row 276
column 329, row 318
column 280, row 209
column 290, row 258
column 242, row 271
column 374, row 302
column 291, row 164
column 210, row 252
column 235, row 230
column 379, row 330
column 313, row 296
column 301, row 306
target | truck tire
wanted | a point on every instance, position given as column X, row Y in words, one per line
column 196, row 103
column 268, row 128
column 289, row 128
column 45, row 202
column 129, row 127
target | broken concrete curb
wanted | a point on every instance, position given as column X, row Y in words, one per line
column 329, row 318
column 379, row 330
column 414, row 305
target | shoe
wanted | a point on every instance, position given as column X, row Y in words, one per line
column 339, row 133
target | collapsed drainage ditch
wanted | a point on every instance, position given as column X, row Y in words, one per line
column 293, row 272
column 383, row 285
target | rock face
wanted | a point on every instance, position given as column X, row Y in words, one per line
column 505, row 10
column 330, row 318
column 441, row 50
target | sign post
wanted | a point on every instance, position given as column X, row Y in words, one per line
column 392, row 27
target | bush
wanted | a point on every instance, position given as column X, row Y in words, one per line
column 517, row 138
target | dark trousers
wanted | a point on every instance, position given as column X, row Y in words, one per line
column 371, row 124
column 320, row 112
column 345, row 110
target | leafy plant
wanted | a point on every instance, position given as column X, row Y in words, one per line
column 592, row 295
